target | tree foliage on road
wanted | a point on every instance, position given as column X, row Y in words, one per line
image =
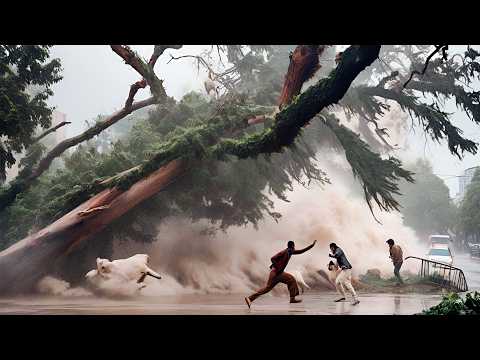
column 454, row 304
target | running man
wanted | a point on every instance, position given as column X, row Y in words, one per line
column 344, row 277
column 278, row 275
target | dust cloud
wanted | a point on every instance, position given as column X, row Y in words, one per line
column 237, row 261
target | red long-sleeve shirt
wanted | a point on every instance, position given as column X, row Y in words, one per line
column 281, row 259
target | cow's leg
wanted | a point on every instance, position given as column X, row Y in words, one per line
column 142, row 278
column 153, row 274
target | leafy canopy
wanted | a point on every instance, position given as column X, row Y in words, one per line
column 26, row 77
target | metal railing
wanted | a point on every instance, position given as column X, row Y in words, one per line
column 446, row 276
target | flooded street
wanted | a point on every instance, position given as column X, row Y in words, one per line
column 314, row 303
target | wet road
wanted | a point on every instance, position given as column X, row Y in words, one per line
column 471, row 270
column 314, row 303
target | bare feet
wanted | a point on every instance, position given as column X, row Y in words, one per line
column 249, row 303
column 341, row 299
column 294, row 301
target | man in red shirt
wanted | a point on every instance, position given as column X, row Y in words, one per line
column 278, row 275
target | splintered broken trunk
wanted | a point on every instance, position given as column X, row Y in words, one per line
column 304, row 63
column 26, row 262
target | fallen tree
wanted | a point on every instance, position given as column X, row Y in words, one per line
column 29, row 174
column 24, row 263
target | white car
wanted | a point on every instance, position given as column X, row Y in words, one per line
column 441, row 255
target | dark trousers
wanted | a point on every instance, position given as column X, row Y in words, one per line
column 273, row 280
column 396, row 271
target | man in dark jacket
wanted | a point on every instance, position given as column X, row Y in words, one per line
column 278, row 275
column 344, row 277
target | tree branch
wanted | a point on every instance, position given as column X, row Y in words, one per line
column 158, row 51
column 132, row 59
column 144, row 69
column 226, row 82
column 52, row 129
column 27, row 176
column 437, row 49
column 141, row 84
column 207, row 140
column 87, row 135
column 25, row 262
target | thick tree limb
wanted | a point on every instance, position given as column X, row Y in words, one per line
column 144, row 69
column 289, row 122
column 141, row 84
column 158, row 51
column 24, row 263
column 132, row 59
column 27, row 176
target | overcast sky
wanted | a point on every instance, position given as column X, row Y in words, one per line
column 96, row 81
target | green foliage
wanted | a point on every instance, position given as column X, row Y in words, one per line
column 426, row 204
column 469, row 212
column 229, row 193
column 453, row 304
column 26, row 77
column 258, row 160
column 379, row 176
column 424, row 96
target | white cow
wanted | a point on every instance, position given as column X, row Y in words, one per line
column 300, row 281
column 120, row 277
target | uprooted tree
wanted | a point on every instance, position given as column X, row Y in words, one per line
column 205, row 155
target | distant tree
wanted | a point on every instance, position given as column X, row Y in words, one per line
column 426, row 204
column 26, row 77
column 469, row 213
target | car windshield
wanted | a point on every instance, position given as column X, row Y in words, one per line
column 439, row 252
column 439, row 240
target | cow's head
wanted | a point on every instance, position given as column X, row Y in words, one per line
column 103, row 266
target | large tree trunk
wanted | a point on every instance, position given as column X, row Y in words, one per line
column 26, row 262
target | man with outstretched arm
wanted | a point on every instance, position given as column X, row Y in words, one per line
column 344, row 277
column 278, row 275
